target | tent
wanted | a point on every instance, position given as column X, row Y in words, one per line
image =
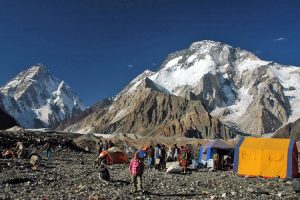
column 215, row 146
column 114, row 155
column 266, row 157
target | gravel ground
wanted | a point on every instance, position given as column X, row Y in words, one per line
column 73, row 175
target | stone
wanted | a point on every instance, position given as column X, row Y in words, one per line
column 280, row 194
column 296, row 184
column 233, row 193
column 289, row 182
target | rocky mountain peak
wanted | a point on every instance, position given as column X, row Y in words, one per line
column 207, row 45
column 38, row 68
column 35, row 78
column 35, row 98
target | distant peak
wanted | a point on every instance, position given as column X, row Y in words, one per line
column 38, row 68
column 147, row 71
column 206, row 43
column 35, row 71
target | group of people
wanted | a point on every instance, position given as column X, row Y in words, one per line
column 100, row 147
column 222, row 163
column 21, row 152
column 158, row 157
column 103, row 146
column 153, row 157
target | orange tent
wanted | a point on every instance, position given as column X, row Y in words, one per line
column 145, row 148
column 266, row 157
column 114, row 155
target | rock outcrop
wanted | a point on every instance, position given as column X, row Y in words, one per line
column 169, row 115
column 290, row 130
column 147, row 111
column 268, row 111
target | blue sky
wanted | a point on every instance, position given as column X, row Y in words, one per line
column 98, row 46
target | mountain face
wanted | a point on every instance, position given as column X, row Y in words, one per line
column 290, row 130
column 234, row 85
column 200, row 89
column 6, row 121
column 143, row 109
column 36, row 99
column 97, row 110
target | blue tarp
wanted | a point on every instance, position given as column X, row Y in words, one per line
column 211, row 147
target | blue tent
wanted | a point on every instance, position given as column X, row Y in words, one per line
column 213, row 147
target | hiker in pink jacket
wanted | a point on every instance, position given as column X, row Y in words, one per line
column 136, row 168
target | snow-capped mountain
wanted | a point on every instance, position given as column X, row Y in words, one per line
column 235, row 86
column 37, row 99
column 254, row 95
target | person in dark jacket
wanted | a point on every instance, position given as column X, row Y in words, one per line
column 104, row 173
column 110, row 144
column 175, row 152
column 162, row 164
column 48, row 148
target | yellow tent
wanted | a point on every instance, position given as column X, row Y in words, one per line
column 266, row 157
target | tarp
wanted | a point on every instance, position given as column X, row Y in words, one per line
column 174, row 167
column 114, row 150
column 114, row 155
column 211, row 147
column 266, row 157
column 218, row 144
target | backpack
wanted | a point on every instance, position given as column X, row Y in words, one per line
column 184, row 155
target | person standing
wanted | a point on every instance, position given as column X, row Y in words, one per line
column 20, row 149
column 106, row 145
column 110, row 144
column 48, row 150
column 175, row 152
column 99, row 147
column 162, row 163
column 183, row 158
column 136, row 168
column 216, row 160
column 157, row 155
column 150, row 153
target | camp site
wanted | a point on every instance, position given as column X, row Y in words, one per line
column 247, row 168
column 149, row 99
